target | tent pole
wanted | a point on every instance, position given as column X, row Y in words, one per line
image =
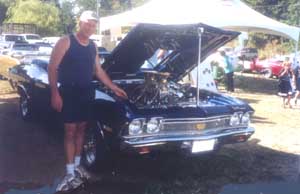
column 296, row 50
column 200, row 32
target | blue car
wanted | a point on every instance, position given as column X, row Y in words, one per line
column 162, row 113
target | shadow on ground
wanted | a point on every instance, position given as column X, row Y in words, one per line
column 255, row 84
column 257, row 119
column 32, row 161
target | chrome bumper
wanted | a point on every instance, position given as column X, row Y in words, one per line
column 163, row 139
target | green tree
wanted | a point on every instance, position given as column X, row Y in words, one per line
column 4, row 5
column 44, row 15
column 109, row 7
column 68, row 19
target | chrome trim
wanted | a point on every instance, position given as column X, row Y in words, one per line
column 163, row 139
column 194, row 119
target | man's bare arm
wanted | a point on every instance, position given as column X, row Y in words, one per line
column 104, row 78
column 57, row 54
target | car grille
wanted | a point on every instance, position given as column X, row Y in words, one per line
column 195, row 125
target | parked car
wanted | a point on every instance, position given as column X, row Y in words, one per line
column 32, row 38
column 20, row 50
column 161, row 113
column 248, row 54
column 51, row 40
column 269, row 68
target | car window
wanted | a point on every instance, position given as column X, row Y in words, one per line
column 157, row 57
column 33, row 37
column 40, row 63
column 25, row 47
column 14, row 38
column 102, row 49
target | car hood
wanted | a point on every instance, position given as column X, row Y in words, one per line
column 144, row 40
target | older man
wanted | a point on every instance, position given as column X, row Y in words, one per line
column 73, row 63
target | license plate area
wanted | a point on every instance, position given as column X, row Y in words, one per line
column 203, row 146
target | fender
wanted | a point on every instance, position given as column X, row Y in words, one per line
column 21, row 89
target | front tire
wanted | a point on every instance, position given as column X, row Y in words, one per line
column 96, row 153
column 267, row 73
column 25, row 107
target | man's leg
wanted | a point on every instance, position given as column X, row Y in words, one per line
column 70, row 146
column 231, row 84
column 70, row 181
column 227, row 77
column 80, row 133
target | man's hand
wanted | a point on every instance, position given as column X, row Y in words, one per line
column 119, row 92
column 56, row 102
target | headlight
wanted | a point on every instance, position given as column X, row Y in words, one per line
column 245, row 119
column 136, row 127
column 153, row 125
column 234, row 120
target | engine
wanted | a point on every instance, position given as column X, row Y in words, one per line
column 158, row 92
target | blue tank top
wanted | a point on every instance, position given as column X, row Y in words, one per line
column 77, row 65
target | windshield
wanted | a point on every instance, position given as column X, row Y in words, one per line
column 158, row 56
column 33, row 37
column 14, row 38
column 25, row 47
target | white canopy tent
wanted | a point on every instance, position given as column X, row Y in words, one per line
column 226, row 14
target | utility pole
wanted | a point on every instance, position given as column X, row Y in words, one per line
column 98, row 6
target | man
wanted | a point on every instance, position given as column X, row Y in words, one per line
column 228, row 70
column 74, row 61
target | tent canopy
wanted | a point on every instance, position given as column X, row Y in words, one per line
column 227, row 14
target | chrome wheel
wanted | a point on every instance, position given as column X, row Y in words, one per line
column 89, row 151
column 24, row 106
column 92, row 138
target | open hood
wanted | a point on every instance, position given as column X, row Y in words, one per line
column 142, row 42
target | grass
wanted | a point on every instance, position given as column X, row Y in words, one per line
column 5, row 63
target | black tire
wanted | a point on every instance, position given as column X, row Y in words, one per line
column 96, row 152
column 25, row 107
column 267, row 73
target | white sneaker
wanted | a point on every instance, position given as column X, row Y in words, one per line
column 82, row 173
column 69, row 182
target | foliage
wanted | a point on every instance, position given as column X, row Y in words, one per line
column 109, row 7
column 68, row 20
column 4, row 5
column 44, row 15
column 287, row 11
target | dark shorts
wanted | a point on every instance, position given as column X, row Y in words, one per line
column 298, row 84
column 77, row 103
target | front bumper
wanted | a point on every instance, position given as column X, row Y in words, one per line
column 227, row 136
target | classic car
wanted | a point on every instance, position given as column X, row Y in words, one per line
column 269, row 67
column 162, row 113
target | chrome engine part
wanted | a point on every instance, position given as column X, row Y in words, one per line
column 158, row 92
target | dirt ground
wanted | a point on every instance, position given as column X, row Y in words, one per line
column 32, row 153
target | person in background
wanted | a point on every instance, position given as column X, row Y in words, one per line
column 228, row 70
column 285, row 85
column 218, row 73
column 73, row 63
column 297, row 83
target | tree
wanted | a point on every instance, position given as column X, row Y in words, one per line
column 109, row 7
column 4, row 5
column 280, row 10
column 44, row 15
column 68, row 19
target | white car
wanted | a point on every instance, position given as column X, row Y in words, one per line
column 51, row 40
column 32, row 38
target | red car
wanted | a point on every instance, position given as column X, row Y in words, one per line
column 269, row 67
